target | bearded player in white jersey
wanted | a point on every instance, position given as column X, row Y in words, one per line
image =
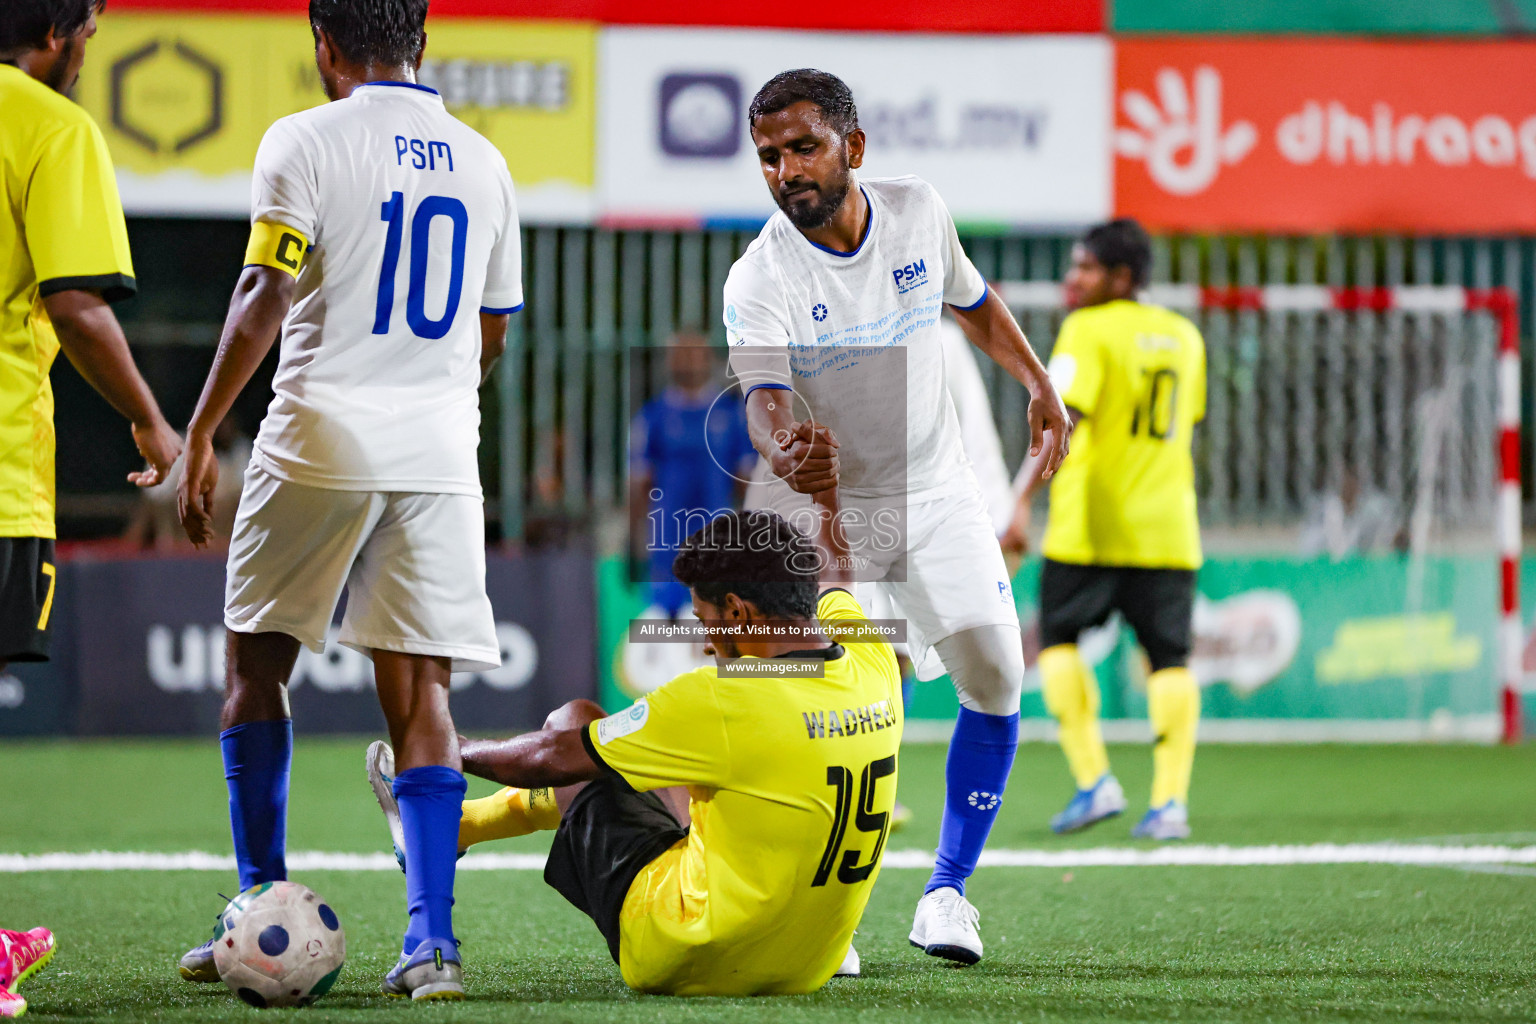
column 384, row 243
column 833, row 319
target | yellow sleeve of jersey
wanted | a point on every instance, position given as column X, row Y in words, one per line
column 1077, row 367
column 838, row 604
column 74, row 219
column 675, row 736
column 1199, row 383
column 837, row 611
column 277, row 246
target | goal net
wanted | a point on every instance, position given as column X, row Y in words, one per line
column 1360, row 459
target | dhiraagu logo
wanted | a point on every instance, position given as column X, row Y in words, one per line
column 730, row 315
column 630, row 720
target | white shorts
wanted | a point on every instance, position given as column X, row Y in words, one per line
column 413, row 566
column 948, row 576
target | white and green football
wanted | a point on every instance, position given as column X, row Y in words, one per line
column 279, row 944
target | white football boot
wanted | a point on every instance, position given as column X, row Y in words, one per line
column 945, row 926
column 850, row 966
column 380, row 765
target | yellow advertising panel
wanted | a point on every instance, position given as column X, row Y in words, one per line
column 185, row 98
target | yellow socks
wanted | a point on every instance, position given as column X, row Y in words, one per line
column 1173, row 704
column 506, row 813
column 1072, row 696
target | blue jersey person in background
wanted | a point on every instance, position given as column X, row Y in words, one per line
column 689, row 460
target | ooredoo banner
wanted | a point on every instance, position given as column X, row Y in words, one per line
column 1332, row 135
column 1010, row 130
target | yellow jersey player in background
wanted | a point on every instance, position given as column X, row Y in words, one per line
column 724, row 832
column 63, row 259
column 1123, row 532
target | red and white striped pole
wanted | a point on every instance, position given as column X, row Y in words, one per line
column 1501, row 303
column 1443, row 299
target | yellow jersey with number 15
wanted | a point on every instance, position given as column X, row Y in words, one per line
column 61, row 227
column 792, row 781
column 1125, row 496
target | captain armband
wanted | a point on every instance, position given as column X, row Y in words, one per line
column 277, row 246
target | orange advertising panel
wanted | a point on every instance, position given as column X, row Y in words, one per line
column 1300, row 135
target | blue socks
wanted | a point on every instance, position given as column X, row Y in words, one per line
column 257, row 760
column 975, row 775
column 431, row 801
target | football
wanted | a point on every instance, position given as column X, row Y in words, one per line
column 279, row 944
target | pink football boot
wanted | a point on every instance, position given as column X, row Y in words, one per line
column 22, row 954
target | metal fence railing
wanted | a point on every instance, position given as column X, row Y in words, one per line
column 1296, row 400
column 1315, row 392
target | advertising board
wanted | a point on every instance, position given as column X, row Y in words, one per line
column 185, row 98
column 1010, row 130
column 1292, row 135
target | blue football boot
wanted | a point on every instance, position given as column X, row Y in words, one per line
column 1170, row 821
column 1104, row 799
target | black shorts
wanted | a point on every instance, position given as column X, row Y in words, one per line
column 608, row 835
column 1159, row 604
column 27, row 577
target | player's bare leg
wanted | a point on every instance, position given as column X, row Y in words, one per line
column 413, row 694
column 428, row 790
column 257, row 744
column 258, row 666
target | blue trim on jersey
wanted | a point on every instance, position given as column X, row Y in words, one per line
column 502, row 312
column 869, row 229
column 403, row 85
column 773, row 387
column 985, row 291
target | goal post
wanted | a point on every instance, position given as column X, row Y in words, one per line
column 1500, row 304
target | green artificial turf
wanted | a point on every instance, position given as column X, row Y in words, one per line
column 1350, row 943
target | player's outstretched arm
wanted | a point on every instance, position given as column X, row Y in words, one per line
column 803, row 454
column 830, row 540
column 993, row 329
column 256, row 311
column 549, row 757
column 93, row 341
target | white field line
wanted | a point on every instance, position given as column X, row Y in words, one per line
column 1103, row 856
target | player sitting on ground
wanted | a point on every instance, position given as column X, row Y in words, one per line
column 1123, row 534
column 753, row 880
